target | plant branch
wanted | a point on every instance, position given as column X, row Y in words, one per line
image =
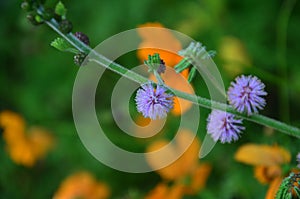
column 203, row 102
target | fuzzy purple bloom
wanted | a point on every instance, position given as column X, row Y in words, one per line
column 298, row 160
column 224, row 126
column 153, row 103
column 246, row 94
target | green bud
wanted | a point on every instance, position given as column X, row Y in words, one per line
column 79, row 59
column 153, row 62
column 26, row 6
column 39, row 19
column 32, row 19
column 65, row 26
column 48, row 14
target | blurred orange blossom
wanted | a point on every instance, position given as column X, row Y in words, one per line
column 82, row 185
column 24, row 149
column 267, row 162
column 187, row 174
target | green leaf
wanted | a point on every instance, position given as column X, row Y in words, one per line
column 182, row 65
column 63, row 45
column 192, row 74
column 60, row 9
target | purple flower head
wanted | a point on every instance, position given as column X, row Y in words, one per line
column 246, row 94
column 224, row 126
column 298, row 160
column 153, row 103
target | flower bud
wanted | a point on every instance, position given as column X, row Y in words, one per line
column 65, row 26
column 32, row 19
column 79, row 59
column 82, row 37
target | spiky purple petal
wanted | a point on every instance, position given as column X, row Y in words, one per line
column 153, row 103
column 246, row 94
column 224, row 126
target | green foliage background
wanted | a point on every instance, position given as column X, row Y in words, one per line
column 36, row 81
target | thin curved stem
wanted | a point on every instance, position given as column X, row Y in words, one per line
column 282, row 26
column 203, row 102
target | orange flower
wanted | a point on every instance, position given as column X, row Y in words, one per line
column 40, row 140
column 13, row 125
column 266, row 174
column 147, row 127
column 162, row 191
column 82, row 185
column 267, row 161
column 159, row 192
column 163, row 42
column 21, row 153
column 184, row 164
column 199, row 178
column 24, row 149
column 159, row 40
column 273, row 188
column 185, row 167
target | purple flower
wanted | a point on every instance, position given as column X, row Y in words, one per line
column 298, row 160
column 153, row 103
column 224, row 126
column 245, row 94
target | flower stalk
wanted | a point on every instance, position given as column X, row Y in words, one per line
column 203, row 102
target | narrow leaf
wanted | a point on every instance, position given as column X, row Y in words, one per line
column 63, row 45
column 60, row 9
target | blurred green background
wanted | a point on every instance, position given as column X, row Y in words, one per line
column 37, row 81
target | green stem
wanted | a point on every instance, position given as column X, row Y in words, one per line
column 282, row 26
column 158, row 78
column 203, row 102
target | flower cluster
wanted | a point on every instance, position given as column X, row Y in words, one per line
column 246, row 96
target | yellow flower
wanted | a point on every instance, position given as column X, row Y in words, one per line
column 234, row 55
column 24, row 149
column 185, row 168
column 267, row 162
column 162, row 42
column 82, row 185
